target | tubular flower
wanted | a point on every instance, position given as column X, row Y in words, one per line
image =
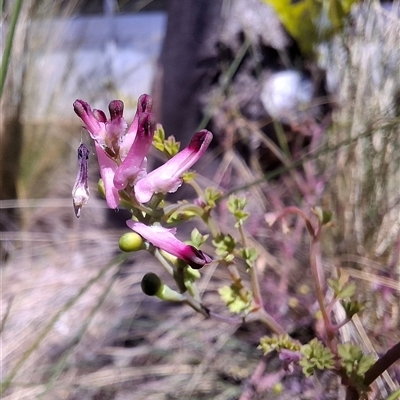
column 165, row 239
column 144, row 105
column 107, row 171
column 168, row 177
column 113, row 143
column 134, row 165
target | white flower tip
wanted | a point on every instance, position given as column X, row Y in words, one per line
column 80, row 197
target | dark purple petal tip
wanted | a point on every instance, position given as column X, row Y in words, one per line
column 145, row 103
column 147, row 123
column 116, row 108
column 81, row 108
column 100, row 116
column 199, row 139
column 198, row 258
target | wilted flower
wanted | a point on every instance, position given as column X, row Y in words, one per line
column 80, row 192
column 165, row 239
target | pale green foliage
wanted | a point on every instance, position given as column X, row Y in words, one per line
column 183, row 211
column 169, row 147
column 354, row 361
column 325, row 217
column 211, row 196
column 316, row 356
column 189, row 176
column 236, row 206
column 197, row 239
column 341, row 288
column 190, row 275
column 159, row 137
column 233, row 297
column 249, row 255
column 277, row 343
column 225, row 246
column 352, row 307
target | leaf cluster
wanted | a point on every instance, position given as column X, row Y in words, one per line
column 236, row 297
column 170, row 147
column 316, row 356
column 236, row 207
column 277, row 343
column 354, row 361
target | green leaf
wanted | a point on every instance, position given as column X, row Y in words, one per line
column 249, row 255
column 234, row 301
column 224, row 245
column 316, row 356
column 171, row 147
column 197, row 239
column 352, row 307
column 347, row 291
column 212, row 195
column 278, row 342
column 354, row 361
column 236, row 206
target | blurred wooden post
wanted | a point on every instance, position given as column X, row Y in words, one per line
column 188, row 56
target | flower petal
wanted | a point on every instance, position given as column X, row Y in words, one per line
column 116, row 127
column 107, row 171
column 134, row 164
column 165, row 239
column 145, row 104
column 95, row 128
column 167, row 178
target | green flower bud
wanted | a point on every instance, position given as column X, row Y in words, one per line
column 152, row 286
column 130, row 241
column 101, row 189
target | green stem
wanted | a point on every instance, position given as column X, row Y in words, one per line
column 196, row 187
column 196, row 305
column 160, row 258
column 316, row 270
column 282, row 138
column 264, row 317
column 9, row 42
column 212, row 225
column 255, row 284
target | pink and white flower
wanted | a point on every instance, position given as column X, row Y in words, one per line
column 114, row 143
column 166, row 240
column 122, row 151
column 168, row 177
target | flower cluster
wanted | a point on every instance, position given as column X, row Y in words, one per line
column 121, row 153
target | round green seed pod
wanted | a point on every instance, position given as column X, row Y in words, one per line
column 130, row 241
column 151, row 284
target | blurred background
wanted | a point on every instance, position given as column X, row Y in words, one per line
column 304, row 103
